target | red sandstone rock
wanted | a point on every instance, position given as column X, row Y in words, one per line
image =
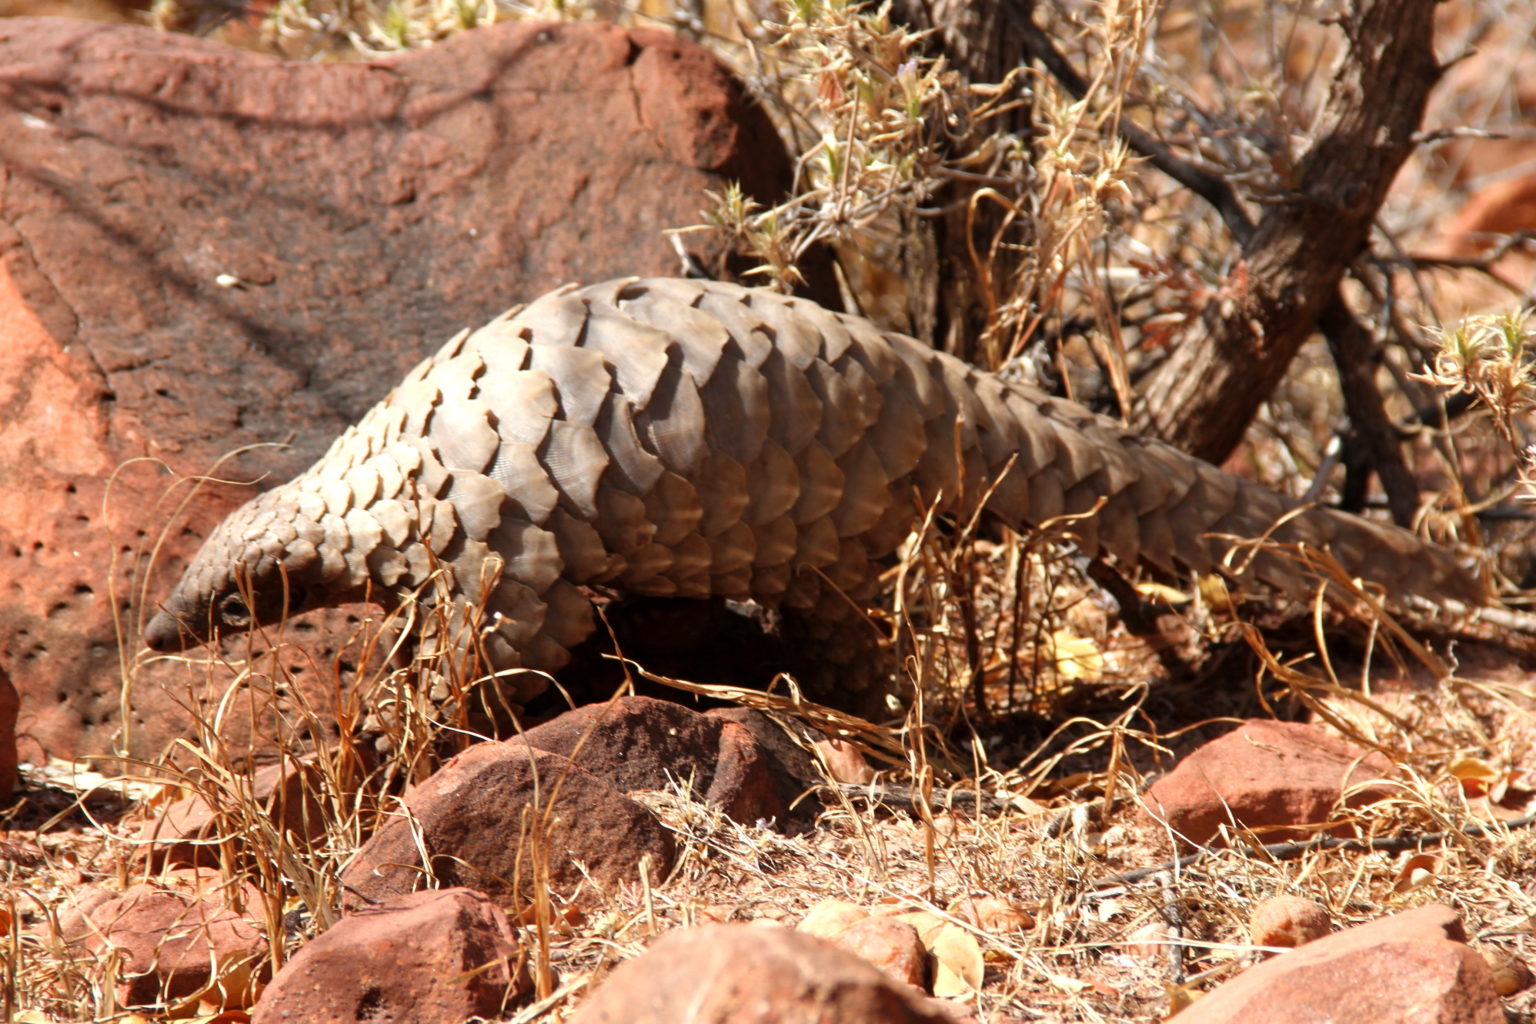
column 1288, row 921
column 1413, row 966
column 174, row 946
column 438, row 957
column 644, row 743
column 476, row 818
column 1264, row 775
column 734, row 974
column 893, row 946
column 73, row 922
column 794, row 770
column 203, row 249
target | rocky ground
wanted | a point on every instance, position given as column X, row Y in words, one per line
column 212, row 260
column 639, row 860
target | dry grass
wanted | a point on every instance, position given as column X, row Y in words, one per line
column 1031, row 691
column 1054, row 852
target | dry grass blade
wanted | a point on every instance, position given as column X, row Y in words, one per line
column 885, row 743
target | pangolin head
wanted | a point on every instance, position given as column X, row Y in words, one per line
column 261, row 563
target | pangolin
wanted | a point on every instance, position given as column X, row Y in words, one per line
column 697, row 439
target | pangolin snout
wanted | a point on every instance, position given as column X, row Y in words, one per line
column 165, row 633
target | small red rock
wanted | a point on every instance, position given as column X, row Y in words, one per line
column 1288, row 921
column 173, row 946
column 1413, row 966
column 740, row 974
column 1264, row 775
column 891, row 945
column 471, row 817
column 794, row 768
column 73, row 923
column 643, row 743
column 438, row 957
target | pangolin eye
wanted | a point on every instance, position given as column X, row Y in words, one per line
column 234, row 612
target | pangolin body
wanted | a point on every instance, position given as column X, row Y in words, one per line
column 697, row 439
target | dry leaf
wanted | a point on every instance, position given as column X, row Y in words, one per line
column 563, row 918
column 1071, row 986
column 1415, row 871
column 1076, row 657
column 926, row 922
column 831, row 918
column 1510, row 974
column 1180, row 997
column 717, row 913
column 1213, row 590
column 958, row 963
column 1474, row 774
column 1163, row 593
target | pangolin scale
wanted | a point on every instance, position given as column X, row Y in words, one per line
column 696, row 439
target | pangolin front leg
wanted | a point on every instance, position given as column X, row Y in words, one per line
column 696, row 439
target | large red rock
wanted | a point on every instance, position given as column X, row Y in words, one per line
column 203, row 249
column 1272, row 777
column 735, row 973
column 479, row 817
column 438, row 957
column 1414, row 966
